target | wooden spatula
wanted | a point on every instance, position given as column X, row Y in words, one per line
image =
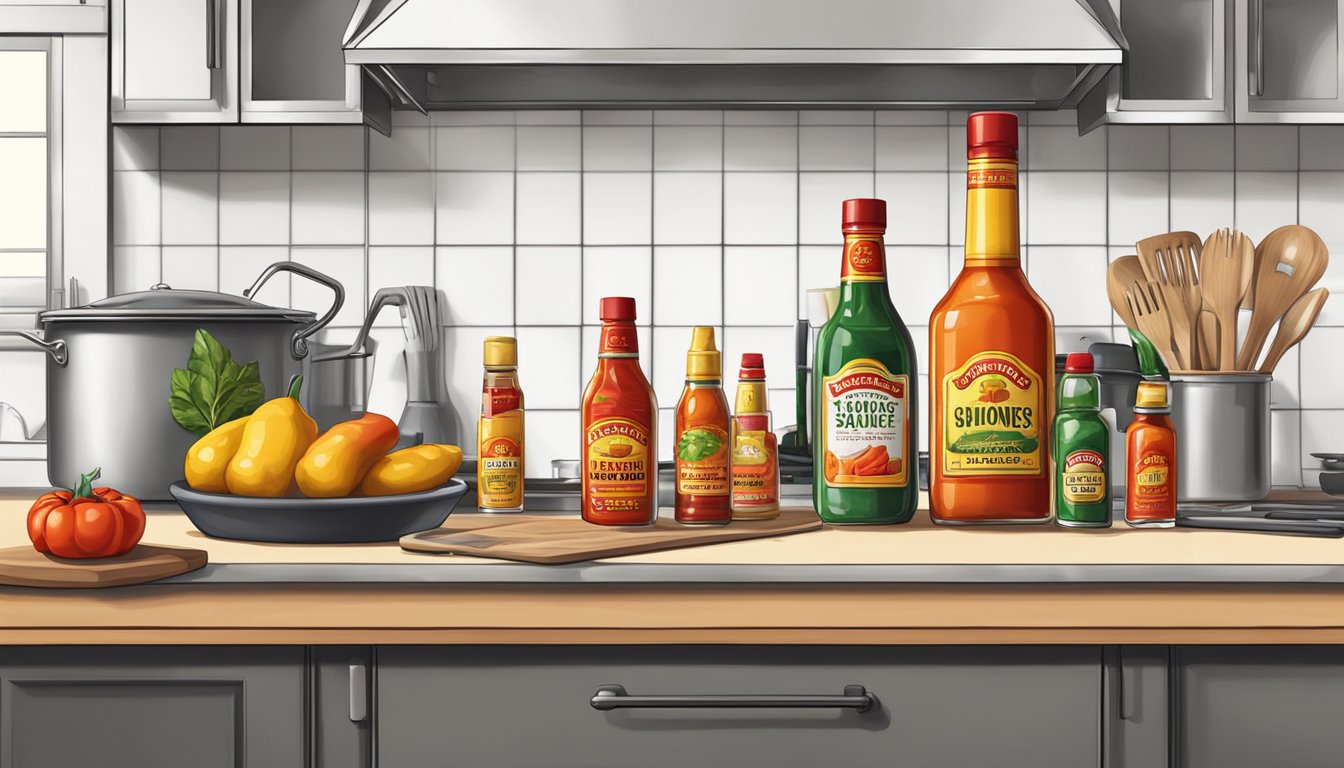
column 1149, row 308
column 1123, row 273
column 1171, row 260
column 1296, row 322
column 1224, row 274
column 1294, row 259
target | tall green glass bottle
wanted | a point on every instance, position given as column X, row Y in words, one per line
column 1082, row 442
column 865, row 390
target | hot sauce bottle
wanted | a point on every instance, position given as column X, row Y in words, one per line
column 755, row 447
column 992, row 349
column 1150, row 461
column 701, row 455
column 620, row 421
column 1082, row 440
column 499, row 435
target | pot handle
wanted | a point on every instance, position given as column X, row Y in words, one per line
column 56, row 347
column 299, row 342
column 385, row 297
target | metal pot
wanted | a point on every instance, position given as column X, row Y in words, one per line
column 111, row 362
column 1222, row 436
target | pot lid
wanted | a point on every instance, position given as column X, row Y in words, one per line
column 162, row 302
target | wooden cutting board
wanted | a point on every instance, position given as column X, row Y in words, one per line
column 551, row 539
column 26, row 567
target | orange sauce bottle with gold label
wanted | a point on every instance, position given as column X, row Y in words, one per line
column 702, row 451
column 992, row 349
column 1150, row 459
column 499, row 434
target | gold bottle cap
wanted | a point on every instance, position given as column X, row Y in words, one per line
column 702, row 359
column 1151, row 395
column 501, row 352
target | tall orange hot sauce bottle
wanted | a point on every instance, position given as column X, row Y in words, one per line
column 620, row 422
column 992, row 349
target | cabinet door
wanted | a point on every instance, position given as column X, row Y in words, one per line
column 953, row 707
column 1137, row 730
column 342, row 705
column 174, row 61
column 1289, row 63
column 293, row 66
column 152, row 707
column 1250, row 707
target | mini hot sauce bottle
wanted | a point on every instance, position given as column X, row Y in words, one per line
column 499, row 435
column 755, row 448
column 620, row 422
column 1150, row 459
column 703, row 477
column 1082, row 442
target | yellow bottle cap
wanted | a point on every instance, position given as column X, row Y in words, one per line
column 702, row 359
column 1151, row 395
column 501, row 352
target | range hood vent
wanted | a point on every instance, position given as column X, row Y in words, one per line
column 916, row 54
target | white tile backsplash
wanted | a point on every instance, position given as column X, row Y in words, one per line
column 760, row 147
column 327, row 207
column 819, row 197
column 401, row 208
column 473, row 148
column 1202, row 147
column 687, row 208
column 193, row 267
column 477, row 282
column 835, row 148
column 548, row 285
column 688, row 285
column 618, row 148
column 190, row 207
column 617, row 208
column 473, row 208
column 688, row 148
column 762, row 278
column 254, row 208
column 254, row 148
column 549, row 209
column 549, row 148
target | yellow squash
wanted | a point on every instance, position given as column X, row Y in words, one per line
column 411, row 470
column 274, row 439
column 339, row 459
column 209, row 458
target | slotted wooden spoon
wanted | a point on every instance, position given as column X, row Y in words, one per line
column 1294, row 259
column 1123, row 273
column 1149, row 308
column 1171, row 260
column 1225, row 266
column 1299, row 319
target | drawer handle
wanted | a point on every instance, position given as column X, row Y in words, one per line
column 855, row 697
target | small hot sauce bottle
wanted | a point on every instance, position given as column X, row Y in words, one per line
column 703, row 477
column 1081, row 444
column 620, row 423
column 755, row 448
column 1150, row 461
column 499, row 434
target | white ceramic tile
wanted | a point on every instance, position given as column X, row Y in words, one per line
column 776, row 344
column 467, row 117
column 473, row 208
column 1265, row 202
column 591, row 335
column 688, row 285
column 135, row 148
column 688, row 148
column 240, row 266
column 818, row 267
column 1067, row 117
column 760, row 148
column 550, row 148
column 760, row 117
column 253, row 208
column 1322, row 204
column 254, row 148
column 781, row 404
column 911, row 117
column 1060, row 148
column 327, row 148
column 474, row 148
column 1201, row 201
column 1322, row 368
column 346, row 266
column 835, row 148
column 835, row 117
column 1311, row 477
column 1077, row 338
column 549, row 117
column 912, row 148
column 1322, row 147
column 463, row 370
column 917, row 207
column 617, row 208
column 1066, row 208
column 193, row 267
column 407, row 149
column 1285, row 447
column 477, row 283
column 401, row 208
column 1072, row 281
column 688, row 117
column 617, row 148
column 548, row 366
column 687, row 208
column 551, row 435
column 190, row 207
column 1332, row 314
column 669, row 362
column 1202, row 147
column 1320, row 434
column 617, row 117
column 620, row 271
column 1137, row 202
column 1266, row 147
column 820, row 197
column 917, row 279
column 328, row 208
column 410, row 118
column 395, row 266
column 136, row 268
column 1137, row 147
column 189, row 148
column 549, row 210
column 760, row 285
column 549, row 286
column 1285, row 393
column 135, row 208
column 667, row 419
column 956, row 208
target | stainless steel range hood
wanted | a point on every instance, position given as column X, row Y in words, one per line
column 483, row 54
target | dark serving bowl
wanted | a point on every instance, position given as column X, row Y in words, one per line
column 299, row 520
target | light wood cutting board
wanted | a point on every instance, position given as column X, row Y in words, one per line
column 26, row 567
column 552, row 540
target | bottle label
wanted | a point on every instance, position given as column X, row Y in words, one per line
column 702, row 462
column 499, row 473
column 1083, row 477
column 991, row 423
column 618, row 340
column 755, row 472
column 989, row 173
column 497, row 400
column 1151, row 490
column 865, row 429
column 617, row 464
column 865, row 260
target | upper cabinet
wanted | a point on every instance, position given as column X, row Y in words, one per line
column 227, row 61
column 1289, row 64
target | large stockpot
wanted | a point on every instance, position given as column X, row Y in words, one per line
column 1222, row 436
column 111, row 362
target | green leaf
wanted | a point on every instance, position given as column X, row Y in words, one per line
column 213, row 389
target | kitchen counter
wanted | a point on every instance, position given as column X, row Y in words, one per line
column 912, row 583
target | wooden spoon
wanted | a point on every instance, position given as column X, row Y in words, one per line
column 1123, row 273
column 1224, row 273
column 1149, row 308
column 1207, row 341
column 1299, row 319
column 1294, row 259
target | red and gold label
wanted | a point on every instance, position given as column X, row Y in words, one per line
column 702, row 462
column 619, row 470
column 618, row 340
column 864, row 434
column 497, row 400
column 1083, row 480
column 755, row 471
column 991, row 173
column 994, row 406
column 499, row 474
column 865, row 259
column 1152, row 490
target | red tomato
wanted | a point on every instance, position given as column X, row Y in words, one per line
column 100, row 522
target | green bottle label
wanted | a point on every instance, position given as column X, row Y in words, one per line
column 1082, row 479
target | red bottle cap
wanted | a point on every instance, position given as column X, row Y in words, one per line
column 991, row 134
column 617, row 309
column 753, row 366
column 863, row 214
column 1078, row 362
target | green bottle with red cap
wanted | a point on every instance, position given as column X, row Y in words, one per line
column 1082, row 446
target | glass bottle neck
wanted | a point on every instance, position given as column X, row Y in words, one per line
column 618, row 340
column 865, row 259
column 992, row 237
column 1079, row 392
